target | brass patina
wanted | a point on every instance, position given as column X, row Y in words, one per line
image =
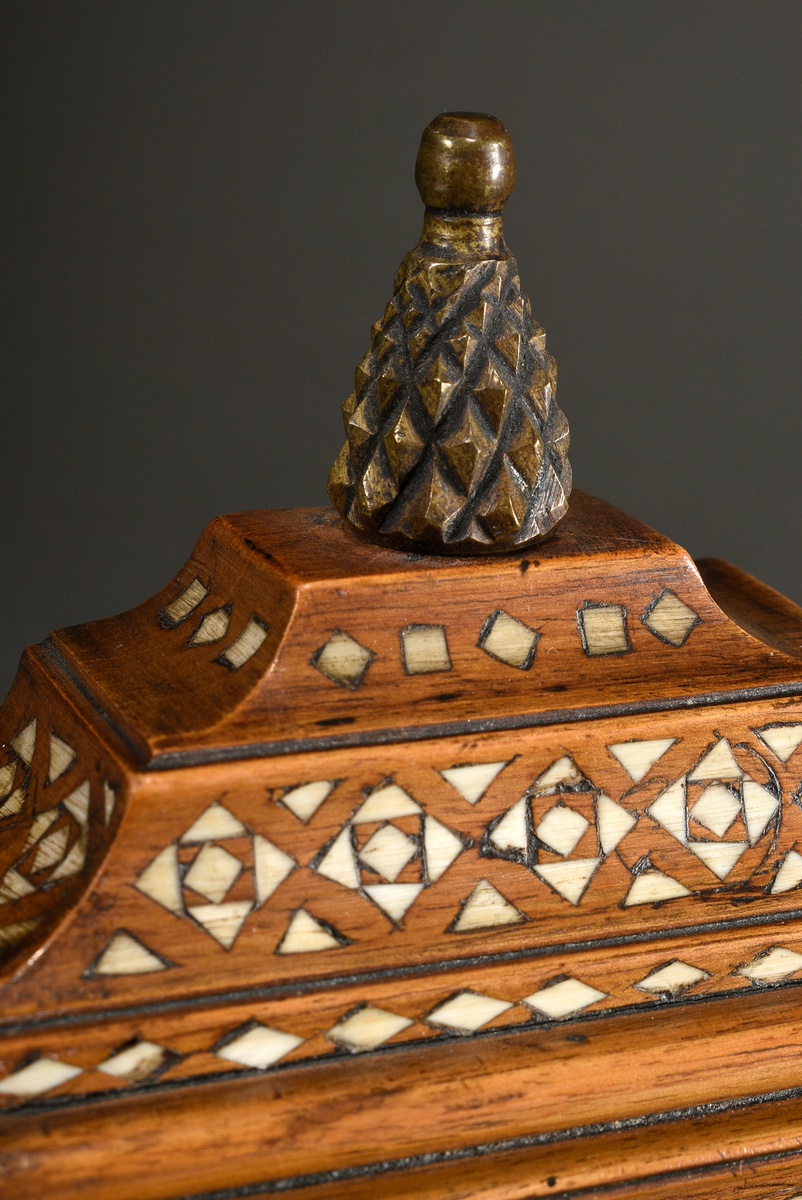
column 454, row 440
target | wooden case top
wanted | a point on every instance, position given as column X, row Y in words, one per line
column 286, row 632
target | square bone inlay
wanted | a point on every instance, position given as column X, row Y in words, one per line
column 343, row 660
column 424, row 649
column 561, row 828
column 388, row 852
column 604, row 629
column 509, row 640
column 670, row 620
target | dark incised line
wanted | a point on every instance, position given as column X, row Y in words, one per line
column 463, row 1153
column 174, row 759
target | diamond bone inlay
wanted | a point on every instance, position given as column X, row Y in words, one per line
column 213, row 872
column 367, row 1028
column 510, row 641
column 388, row 851
column 716, row 809
column 604, row 629
column 135, row 1063
column 468, row 1011
column 259, row 1046
column 424, row 649
column 563, row 999
column 670, row 620
column 561, row 829
column 772, row 965
column 343, row 660
column 674, row 978
column 42, row 1075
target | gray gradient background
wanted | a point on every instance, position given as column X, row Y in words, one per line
column 208, row 203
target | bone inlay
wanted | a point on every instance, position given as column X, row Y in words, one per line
column 367, row 1028
column 509, row 640
column 245, row 646
column 638, row 758
column 180, row 608
column 473, row 780
column 343, row 660
column 670, row 619
column 304, row 801
column 782, row 740
column 604, row 629
column 424, row 649
column 212, row 628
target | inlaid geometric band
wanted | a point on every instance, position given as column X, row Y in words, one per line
column 602, row 630
column 365, row 1027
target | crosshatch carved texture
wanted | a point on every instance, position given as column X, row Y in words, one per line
column 454, row 439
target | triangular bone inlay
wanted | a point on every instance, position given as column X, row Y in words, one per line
column 789, row 874
column 718, row 763
column 222, row 921
column 306, row 935
column 569, row 879
column 564, row 771
column 613, row 821
column 653, row 887
column 720, row 857
column 486, row 908
column 339, row 862
column 441, row 847
column 638, row 758
column 473, row 781
column 394, row 898
column 386, row 804
column 512, row 833
column 161, row 881
column 215, row 824
column 669, row 810
column 782, row 740
column 304, row 801
column 126, row 955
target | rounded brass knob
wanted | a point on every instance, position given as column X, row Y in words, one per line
column 466, row 163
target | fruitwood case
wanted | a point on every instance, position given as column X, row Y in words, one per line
column 347, row 872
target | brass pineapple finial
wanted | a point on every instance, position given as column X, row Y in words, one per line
column 454, row 441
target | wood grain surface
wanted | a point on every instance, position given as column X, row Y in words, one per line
column 337, row 870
